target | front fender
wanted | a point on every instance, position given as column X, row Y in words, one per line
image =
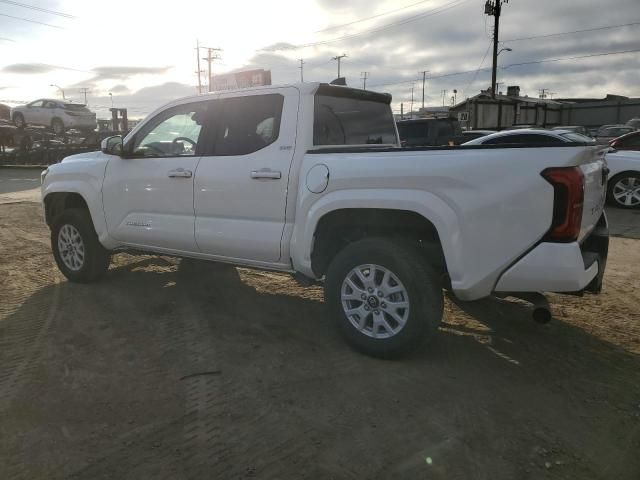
column 423, row 203
column 63, row 178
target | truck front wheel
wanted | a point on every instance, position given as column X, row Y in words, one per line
column 78, row 253
column 385, row 297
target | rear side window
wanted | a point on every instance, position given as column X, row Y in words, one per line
column 524, row 139
column 352, row 121
column 248, row 124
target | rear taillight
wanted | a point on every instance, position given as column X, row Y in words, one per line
column 568, row 200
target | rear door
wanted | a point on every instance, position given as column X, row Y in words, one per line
column 241, row 189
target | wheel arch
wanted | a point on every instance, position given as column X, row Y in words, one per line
column 338, row 228
column 419, row 214
column 614, row 179
column 57, row 202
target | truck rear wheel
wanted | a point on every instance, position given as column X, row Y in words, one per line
column 386, row 299
column 78, row 253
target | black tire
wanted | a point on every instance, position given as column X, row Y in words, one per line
column 18, row 120
column 96, row 258
column 614, row 186
column 421, row 281
column 57, row 126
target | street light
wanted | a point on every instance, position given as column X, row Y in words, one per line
column 59, row 88
column 111, row 95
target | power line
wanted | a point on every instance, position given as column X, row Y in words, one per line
column 533, row 62
column 39, row 9
column 475, row 75
column 605, row 54
column 572, row 32
column 429, row 13
column 389, row 12
column 31, row 21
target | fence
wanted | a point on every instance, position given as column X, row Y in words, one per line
column 45, row 156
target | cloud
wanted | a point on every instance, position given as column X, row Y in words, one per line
column 278, row 47
column 120, row 88
column 457, row 40
column 28, row 68
column 123, row 72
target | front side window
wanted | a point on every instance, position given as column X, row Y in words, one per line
column 37, row 103
column 341, row 120
column 248, row 124
column 173, row 133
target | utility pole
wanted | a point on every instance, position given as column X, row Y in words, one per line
column 493, row 8
column 301, row 67
column 364, row 77
column 402, row 111
column 444, row 94
column 424, row 79
column 85, row 90
column 199, row 71
column 338, row 58
column 212, row 54
column 411, row 109
column 543, row 92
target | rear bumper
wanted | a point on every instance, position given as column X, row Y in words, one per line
column 561, row 267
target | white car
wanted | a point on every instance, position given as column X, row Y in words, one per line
column 310, row 179
column 624, row 178
column 60, row 116
column 533, row 137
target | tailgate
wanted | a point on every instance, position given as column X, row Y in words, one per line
column 595, row 189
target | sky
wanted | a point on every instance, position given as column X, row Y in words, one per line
column 144, row 54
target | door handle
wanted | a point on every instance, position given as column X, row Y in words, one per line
column 266, row 173
column 180, row 173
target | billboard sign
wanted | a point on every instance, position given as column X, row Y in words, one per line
column 246, row 79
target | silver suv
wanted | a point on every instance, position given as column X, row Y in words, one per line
column 59, row 116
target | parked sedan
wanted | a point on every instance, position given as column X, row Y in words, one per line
column 605, row 135
column 531, row 137
column 468, row 135
column 624, row 179
column 59, row 116
column 630, row 141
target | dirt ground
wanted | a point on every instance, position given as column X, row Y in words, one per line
column 176, row 370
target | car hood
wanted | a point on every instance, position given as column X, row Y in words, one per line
column 83, row 157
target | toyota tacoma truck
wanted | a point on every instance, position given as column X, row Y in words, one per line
column 310, row 179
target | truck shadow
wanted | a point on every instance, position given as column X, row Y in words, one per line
column 130, row 341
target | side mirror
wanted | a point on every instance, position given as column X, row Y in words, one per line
column 112, row 145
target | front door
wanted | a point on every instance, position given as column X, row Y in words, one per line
column 240, row 190
column 34, row 113
column 148, row 195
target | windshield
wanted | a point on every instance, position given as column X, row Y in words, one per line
column 577, row 137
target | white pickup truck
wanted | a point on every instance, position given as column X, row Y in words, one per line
column 310, row 179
